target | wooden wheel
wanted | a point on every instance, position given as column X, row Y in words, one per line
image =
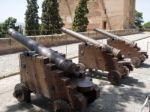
column 126, row 71
column 136, row 62
column 130, row 67
column 61, row 106
column 114, row 77
column 21, row 93
column 143, row 58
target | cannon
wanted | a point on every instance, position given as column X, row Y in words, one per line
column 48, row 73
column 98, row 56
column 129, row 49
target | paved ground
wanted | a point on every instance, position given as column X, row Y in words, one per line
column 128, row 97
column 9, row 64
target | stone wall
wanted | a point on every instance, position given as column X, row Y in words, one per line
column 8, row 45
column 118, row 14
column 147, row 29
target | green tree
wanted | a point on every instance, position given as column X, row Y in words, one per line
column 138, row 19
column 147, row 25
column 80, row 21
column 1, row 33
column 31, row 18
column 8, row 23
column 51, row 20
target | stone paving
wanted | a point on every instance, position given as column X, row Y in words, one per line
column 128, row 97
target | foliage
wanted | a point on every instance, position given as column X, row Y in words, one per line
column 1, row 33
column 31, row 18
column 80, row 21
column 51, row 20
column 138, row 19
column 147, row 25
column 8, row 23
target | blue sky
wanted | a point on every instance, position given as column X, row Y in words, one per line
column 16, row 9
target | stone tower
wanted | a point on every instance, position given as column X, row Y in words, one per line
column 105, row 14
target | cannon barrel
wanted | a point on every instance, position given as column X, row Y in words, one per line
column 61, row 62
column 88, row 40
column 115, row 37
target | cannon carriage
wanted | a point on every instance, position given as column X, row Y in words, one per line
column 128, row 48
column 99, row 56
column 49, row 74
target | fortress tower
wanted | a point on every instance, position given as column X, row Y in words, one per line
column 105, row 14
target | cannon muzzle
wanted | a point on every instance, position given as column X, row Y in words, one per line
column 115, row 37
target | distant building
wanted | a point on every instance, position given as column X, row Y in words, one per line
column 105, row 14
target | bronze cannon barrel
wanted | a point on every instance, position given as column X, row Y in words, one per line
column 87, row 40
column 61, row 62
column 115, row 37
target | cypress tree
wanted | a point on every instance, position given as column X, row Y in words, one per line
column 31, row 18
column 51, row 20
column 80, row 21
